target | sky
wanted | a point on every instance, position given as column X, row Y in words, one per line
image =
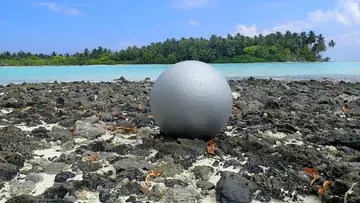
column 73, row 25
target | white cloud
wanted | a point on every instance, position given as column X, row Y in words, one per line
column 350, row 38
column 190, row 4
column 247, row 31
column 61, row 9
column 193, row 23
column 346, row 13
column 252, row 30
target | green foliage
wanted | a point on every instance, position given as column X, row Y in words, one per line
column 275, row 47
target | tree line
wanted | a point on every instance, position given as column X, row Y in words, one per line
column 274, row 47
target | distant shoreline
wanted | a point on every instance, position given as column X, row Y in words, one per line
column 95, row 65
column 332, row 78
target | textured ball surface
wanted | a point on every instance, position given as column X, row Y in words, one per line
column 191, row 99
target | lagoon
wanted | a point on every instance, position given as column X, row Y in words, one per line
column 338, row 70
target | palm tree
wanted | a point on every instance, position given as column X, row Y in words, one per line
column 331, row 43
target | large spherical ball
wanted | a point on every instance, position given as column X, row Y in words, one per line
column 191, row 99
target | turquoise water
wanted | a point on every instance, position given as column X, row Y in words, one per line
column 140, row 72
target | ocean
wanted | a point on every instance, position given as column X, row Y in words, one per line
column 348, row 71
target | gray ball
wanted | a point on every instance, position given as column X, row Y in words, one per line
column 191, row 99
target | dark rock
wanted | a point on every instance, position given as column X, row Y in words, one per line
column 56, row 191
column 13, row 158
column 354, row 197
column 233, row 188
column 202, row 172
column 63, row 135
column 104, row 196
column 24, row 198
column 19, row 141
column 128, row 163
column 131, row 199
column 205, row 185
column 40, row 132
column 173, row 182
column 339, row 187
column 87, row 166
column 351, row 139
column 93, row 180
column 184, row 152
column 131, row 174
column 64, row 176
column 130, row 188
column 272, row 104
column 8, row 171
column 352, row 177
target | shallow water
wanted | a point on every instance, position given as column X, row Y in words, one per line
column 340, row 70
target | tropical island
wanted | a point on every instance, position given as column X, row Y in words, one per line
column 274, row 47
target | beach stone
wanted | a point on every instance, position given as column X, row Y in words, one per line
column 89, row 131
column 34, row 177
column 40, row 161
column 141, row 121
column 23, row 198
column 205, row 185
column 128, row 163
column 91, row 119
column 181, row 195
column 130, row 174
column 107, row 117
column 19, row 142
column 130, row 188
column 203, row 172
column 55, row 167
column 59, row 133
column 354, row 197
column 132, row 199
column 11, row 103
column 339, row 187
column 87, row 166
column 233, row 188
column 143, row 132
column 58, row 191
column 184, row 151
column 168, row 167
column 8, row 171
column 40, row 132
column 17, row 187
column 68, row 122
column 175, row 182
column 351, row 178
column 157, row 192
column 12, row 158
column 351, row 139
column 93, row 180
column 104, row 196
column 67, row 146
column 64, row 176
column 68, row 158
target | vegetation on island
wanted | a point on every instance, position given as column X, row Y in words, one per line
column 275, row 47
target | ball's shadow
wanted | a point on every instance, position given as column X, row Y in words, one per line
column 174, row 137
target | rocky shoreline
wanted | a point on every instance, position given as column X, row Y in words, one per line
column 286, row 141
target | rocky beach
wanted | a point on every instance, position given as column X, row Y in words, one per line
column 286, row 141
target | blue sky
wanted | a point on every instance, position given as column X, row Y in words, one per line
column 72, row 25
